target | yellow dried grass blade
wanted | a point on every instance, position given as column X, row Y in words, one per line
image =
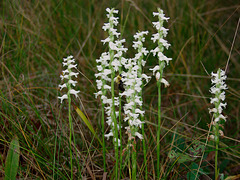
column 86, row 121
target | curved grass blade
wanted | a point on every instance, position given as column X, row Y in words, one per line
column 86, row 121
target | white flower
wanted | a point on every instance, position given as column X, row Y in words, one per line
column 164, row 31
column 214, row 110
column 74, row 92
column 219, row 96
column 106, row 40
column 63, row 97
column 73, row 74
column 140, row 35
column 106, row 66
column 157, row 76
column 67, row 74
column 162, row 57
column 155, row 37
column 133, row 86
column 161, row 15
column 164, row 43
column 155, row 51
column 164, row 81
column 71, row 82
column 140, row 136
column 108, row 135
column 217, row 89
column 156, row 25
column 106, row 26
column 161, row 43
column 111, row 11
column 62, row 86
column 147, row 78
column 156, row 68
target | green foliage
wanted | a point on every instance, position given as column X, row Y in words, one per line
column 12, row 161
column 192, row 174
column 180, row 157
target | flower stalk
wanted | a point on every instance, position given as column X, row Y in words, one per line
column 218, row 118
column 102, row 91
column 122, row 60
column 67, row 74
column 132, row 80
column 158, row 70
column 110, row 64
column 141, row 63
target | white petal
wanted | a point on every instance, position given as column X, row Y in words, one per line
column 164, row 81
column 73, row 74
column 156, row 68
column 157, row 76
column 72, row 91
column 72, row 82
column 62, row 86
column 140, row 136
column 63, row 97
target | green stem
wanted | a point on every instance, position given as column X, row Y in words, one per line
column 103, row 140
column 128, row 158
column 75, row 147
column 216, row 162
column 134, row 161
column 115, row 140
column 134, row 153
column 161, row 66
column 102, row 123
column 70, row 135
column 119, row 121
column 120, row 134
column 144, row 150
column 158, row 129
column 113, row 112
column 142, row 117
column 216, row 128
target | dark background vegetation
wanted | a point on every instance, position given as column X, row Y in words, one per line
column 36, row 35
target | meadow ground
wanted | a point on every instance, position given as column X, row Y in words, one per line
column 37, row 35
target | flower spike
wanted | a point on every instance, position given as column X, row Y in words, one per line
column 67, row 74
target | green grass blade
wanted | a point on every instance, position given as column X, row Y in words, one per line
column 12, row 161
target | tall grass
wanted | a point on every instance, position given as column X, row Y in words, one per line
column 36, row 35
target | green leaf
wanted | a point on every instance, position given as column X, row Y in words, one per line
column 184, row 158
column 193, row 172
column 172, row 154
column 12, row 161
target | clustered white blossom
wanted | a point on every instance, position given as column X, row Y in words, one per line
column 109, row 63
column 218, row 91
column 67, row 74
column 119, row 54
column 132, row 80
column 162, row 43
